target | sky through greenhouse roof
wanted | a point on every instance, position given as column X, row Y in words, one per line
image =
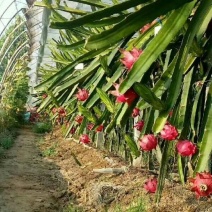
column 39, row 34
column 8, row 8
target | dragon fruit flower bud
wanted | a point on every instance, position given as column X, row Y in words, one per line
column 151, row 185
column 130, row 57
column 139, row 125
column 82, row 94
column 79, row 119
column 84, row 139
column 136, row 112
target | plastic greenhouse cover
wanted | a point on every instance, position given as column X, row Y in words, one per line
column 40, row 33
column 7, row 9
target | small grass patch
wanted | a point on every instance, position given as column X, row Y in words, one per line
column 42, row 127
column 7, row 143
column 72, row 208
column 51, row 151
column 40, row 140
column 136, row 206
column 1, row 153
column 7, row 139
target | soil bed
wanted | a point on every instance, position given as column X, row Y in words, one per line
column 53, row 174
column 113, row 192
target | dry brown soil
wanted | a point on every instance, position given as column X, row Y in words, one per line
column 31, row 182
column 28, row 182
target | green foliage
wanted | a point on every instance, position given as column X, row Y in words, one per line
column 87, row 113
column 6, row 120
column 41, row 140
column 72, row 208
column 106, row 100
column 205, row 143
column 42, row 127
column 133, row 146
column 1, row 153
column 14, row 94
column 14, row 82
column 138, row 205
column 6, row 139
column 6, row 142
column 15, row 34
column 148, row 96
column 51, row 151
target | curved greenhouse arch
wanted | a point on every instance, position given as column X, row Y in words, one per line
column 32, row 20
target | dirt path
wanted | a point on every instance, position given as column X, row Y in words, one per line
column 28, row 183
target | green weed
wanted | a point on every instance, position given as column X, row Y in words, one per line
column 136, row 206
column 42, row 127
column 6, row 139
column 40, row 140
column 72, row 208
column 7, row 143
column 51, row 151
column 1, row 153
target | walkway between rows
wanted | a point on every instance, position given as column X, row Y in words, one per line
column 29, row 183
